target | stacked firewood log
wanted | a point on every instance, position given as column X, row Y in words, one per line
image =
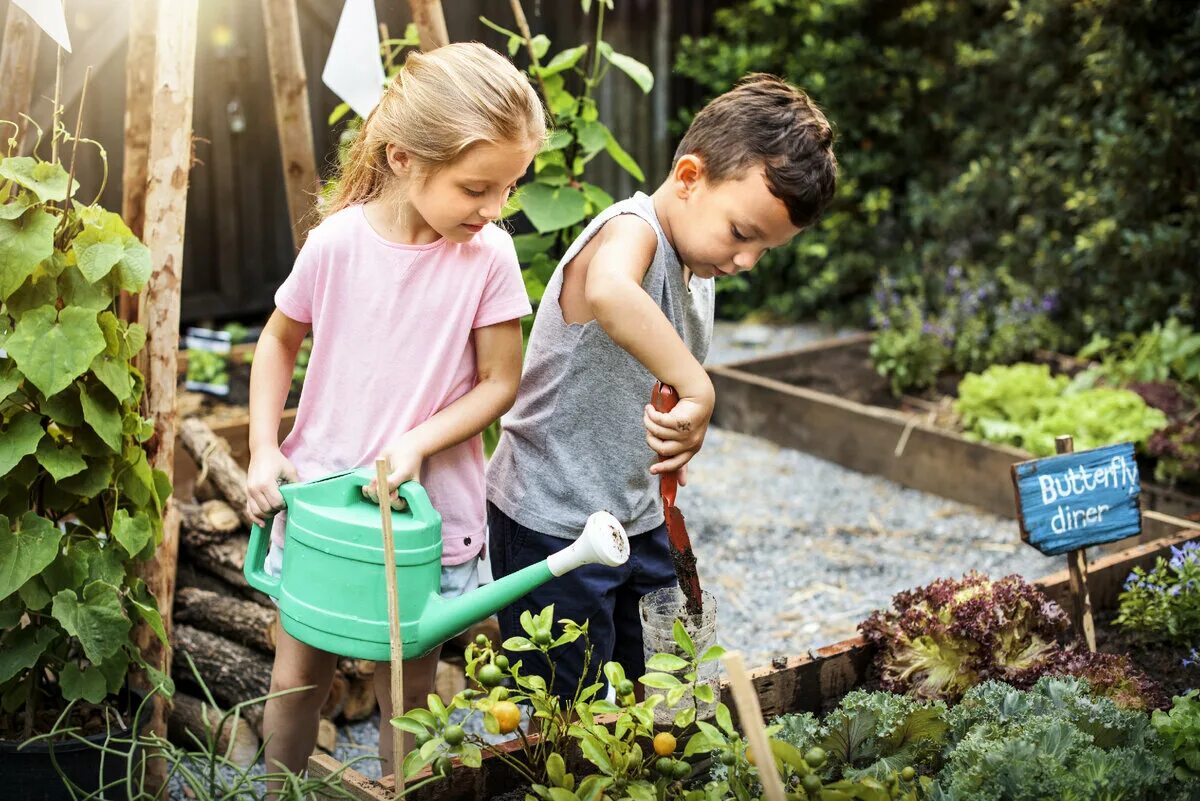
column 228, row 628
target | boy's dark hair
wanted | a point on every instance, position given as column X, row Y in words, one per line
column 765, row 120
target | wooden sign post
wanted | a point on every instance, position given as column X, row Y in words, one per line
column 1071, row 501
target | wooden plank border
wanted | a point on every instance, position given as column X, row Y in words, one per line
column 866, row 438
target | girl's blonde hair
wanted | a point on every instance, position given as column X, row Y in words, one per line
column 437, row 107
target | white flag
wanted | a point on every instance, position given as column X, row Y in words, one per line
column 48, row 14
column 354, row 70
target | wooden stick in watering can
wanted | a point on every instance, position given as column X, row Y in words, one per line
column 389, row 566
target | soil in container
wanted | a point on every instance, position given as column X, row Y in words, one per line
column 659, row 611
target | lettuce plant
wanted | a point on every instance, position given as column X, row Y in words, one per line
column 940, row 640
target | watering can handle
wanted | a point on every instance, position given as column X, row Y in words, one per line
column 419, row 505
column 256, row 557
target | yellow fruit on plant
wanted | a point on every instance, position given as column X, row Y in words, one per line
column 664, row 743
column 507, row 716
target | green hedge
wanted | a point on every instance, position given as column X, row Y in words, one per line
column 1058, row 142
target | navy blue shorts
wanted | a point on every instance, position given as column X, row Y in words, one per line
column 607, row 597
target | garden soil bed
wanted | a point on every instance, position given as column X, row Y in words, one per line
column 814, row 682
column 1161, row 662
column 828, row 400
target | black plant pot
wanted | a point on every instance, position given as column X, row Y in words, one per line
column 29, row 773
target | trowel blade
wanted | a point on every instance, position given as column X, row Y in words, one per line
column 684, row 560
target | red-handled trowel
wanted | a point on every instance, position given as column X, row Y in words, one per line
column 664, row 398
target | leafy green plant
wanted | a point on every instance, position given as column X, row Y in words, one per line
column 1023, row 405
column 200, row 769
column 558, row 200
column 1056, row 740
column 207, row 367
column 80, row 505
column 1163, row 603
column 1169, row 351
column 1179, row 730
column 961, row 323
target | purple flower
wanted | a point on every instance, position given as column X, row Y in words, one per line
column 1050, row 302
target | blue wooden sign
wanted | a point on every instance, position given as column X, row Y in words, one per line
column 1075, row 500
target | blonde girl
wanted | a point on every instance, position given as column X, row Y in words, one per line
column 414, row 300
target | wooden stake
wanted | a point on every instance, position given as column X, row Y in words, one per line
column 389, row 565
column 18, row 62
column 750, row 716
column 1081, row 602
column 289, row 84
column 170, row 159
column 430, row 22
column 139, row 80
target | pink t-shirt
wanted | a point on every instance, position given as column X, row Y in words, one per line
column 392, row 347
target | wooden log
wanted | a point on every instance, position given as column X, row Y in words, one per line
column 215, row 463
column 139, row 80
column 225, row 560
column 333, row 704
column 170, row 160
column 232, row 672
column 326, row 735
column 191, row 717
column 189, row 575
column 356, row 668
column 215, row 518
column 18, row 62
column 289, row 86
column 242, row 621
column 360, row 701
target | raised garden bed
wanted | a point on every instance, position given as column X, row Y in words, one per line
column 826, row 399
column 813, row 682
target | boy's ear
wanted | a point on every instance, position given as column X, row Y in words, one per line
column 397, row 160
column 688, row 170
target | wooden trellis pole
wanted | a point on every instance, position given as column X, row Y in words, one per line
column 18, row 61
column 289, row 84
column 430, row 22
column 139, row 81
column 170, row 159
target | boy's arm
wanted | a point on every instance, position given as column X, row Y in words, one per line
column 270, row 379
column 613, row 290
column 498, row 366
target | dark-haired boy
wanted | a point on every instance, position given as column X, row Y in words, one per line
column 631, row 302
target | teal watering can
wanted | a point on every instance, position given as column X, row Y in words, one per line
column 332, row 593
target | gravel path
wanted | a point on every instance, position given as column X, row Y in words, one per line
column 798, row 550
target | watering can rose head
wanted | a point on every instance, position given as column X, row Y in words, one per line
column 332, row 591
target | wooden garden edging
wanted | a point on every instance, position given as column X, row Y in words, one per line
column 809, row 683
column 754, row 397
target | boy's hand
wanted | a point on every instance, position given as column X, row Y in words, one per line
column 676, row 436
column 268, row 469
column 404, row 461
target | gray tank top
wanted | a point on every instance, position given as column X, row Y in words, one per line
column 573, row 442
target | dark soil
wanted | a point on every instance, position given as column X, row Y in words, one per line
column 1161, row 662
column 86, row 718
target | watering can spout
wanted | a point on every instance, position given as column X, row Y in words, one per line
column 603, row 541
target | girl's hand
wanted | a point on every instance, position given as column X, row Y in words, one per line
column 676, row 436
column 404, row 461
column 268, row 469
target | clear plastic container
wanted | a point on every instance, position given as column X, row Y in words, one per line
column 659, row 611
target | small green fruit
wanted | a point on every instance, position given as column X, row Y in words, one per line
column 454, row 735
column 542, row 637
column 501, row 661
column 625, row 688
column 908, row 774
column 422, row 737
column 489, row 675
column 482, row 641
column 812, row 785
column 441, row 766
column 815, row 757
column 728, row 759
column 665, row 766
column 682, row 770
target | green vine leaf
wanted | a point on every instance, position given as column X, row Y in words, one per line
column 103, row 414
column 635, row 69
column 25, row 550
column 10, row 378
column 564, row 60
column 132, row 532
column 552, row 208
column 19, row 439
column 87, row 684
column 24, row 244
column 77, row 291
column 98, row 622
column 22, row 649
column 54, row 348
column 48, row 180
column 106, row 242
column 91, row 482
column 15, row 207
column 60, row 460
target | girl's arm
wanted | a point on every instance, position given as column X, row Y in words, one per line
column 270, row 379
column 498, row 365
